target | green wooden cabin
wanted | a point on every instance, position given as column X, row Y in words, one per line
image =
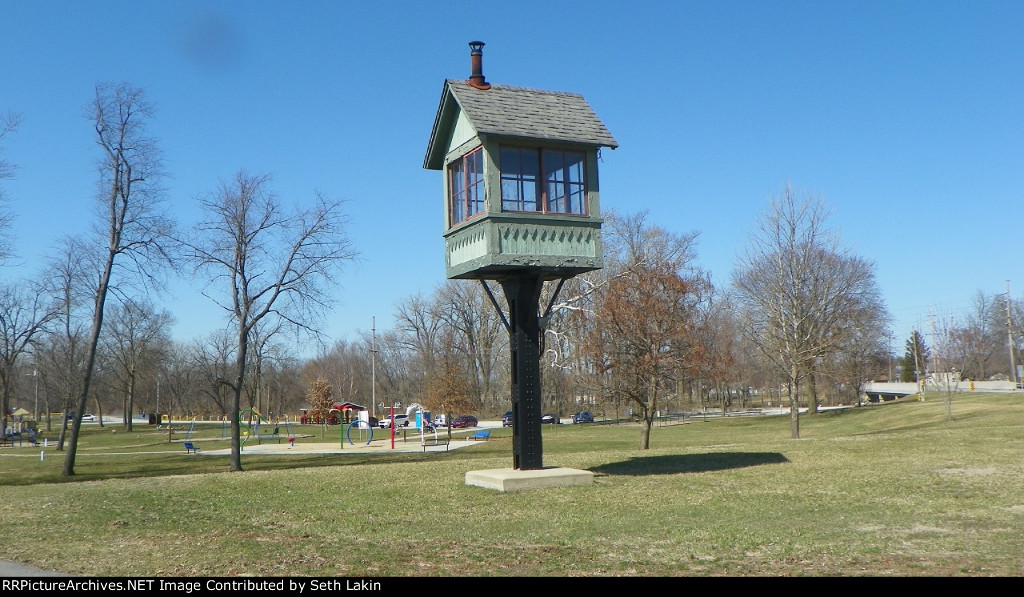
column 521, row 185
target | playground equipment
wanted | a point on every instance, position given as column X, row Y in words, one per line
column 423, row 423
column 246, row 420
column 420, row 416
column 360, row 425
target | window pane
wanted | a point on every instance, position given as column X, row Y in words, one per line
column 565, row 188
column 511, row 164
column 467, row 194
column 530, row 160
column 457, row 178
column 554, row 175
column 512, row 195
column 475, row 182
column 474, row 167
column 574, row 183
column 519, row 179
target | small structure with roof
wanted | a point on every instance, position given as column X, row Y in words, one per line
column 521, row 207
column 521, row 185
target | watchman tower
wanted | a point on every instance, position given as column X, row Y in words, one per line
column 521, row 207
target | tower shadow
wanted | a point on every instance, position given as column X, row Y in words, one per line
column 688, row 463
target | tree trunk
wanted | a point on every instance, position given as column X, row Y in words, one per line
column 236, row 408
column 90, row 362
column 645, row 434
column 648, row 416
column 794, row 404
column 130, row 407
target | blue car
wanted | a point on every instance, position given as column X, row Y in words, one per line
column 584, row 416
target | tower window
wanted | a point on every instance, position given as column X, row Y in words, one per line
column 542, row 181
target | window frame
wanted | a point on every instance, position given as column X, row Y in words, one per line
column 571, row 186
column 467, row 199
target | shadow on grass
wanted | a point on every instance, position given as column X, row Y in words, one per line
column 99, row 469
column 689, row 463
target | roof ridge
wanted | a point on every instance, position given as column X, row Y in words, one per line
column 518, row 88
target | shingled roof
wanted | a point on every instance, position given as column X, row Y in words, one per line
column 515, row 112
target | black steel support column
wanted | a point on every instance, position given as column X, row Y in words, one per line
column 523, row 294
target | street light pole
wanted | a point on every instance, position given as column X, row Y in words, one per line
column 35, row 378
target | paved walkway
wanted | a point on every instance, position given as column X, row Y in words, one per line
column 379, row 445
column 13, row 570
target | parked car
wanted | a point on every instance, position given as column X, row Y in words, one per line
column 88, row 417
column 506, row 419
column 464, row 421
column 551, row 418
column 400, row 421
column 584, row 416
column 441, row 421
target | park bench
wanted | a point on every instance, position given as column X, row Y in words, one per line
column 191, row 448
column 481, row 435
column 437, row 440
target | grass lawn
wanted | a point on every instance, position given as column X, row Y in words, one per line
column 884, row 490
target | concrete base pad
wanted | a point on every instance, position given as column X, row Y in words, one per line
column 507, row 479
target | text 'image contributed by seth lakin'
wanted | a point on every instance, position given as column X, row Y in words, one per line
column 295, row 586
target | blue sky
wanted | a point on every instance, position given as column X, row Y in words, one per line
column 905, row 117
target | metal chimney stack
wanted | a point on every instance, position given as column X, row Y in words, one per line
column 476, row 54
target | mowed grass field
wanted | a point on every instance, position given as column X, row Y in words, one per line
column 882, row 490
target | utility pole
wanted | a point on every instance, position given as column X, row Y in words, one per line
column 890, row 357
column 373, row 366
column 1009, row 333
column 917, row 365
column 935, row 346
column 35, row 412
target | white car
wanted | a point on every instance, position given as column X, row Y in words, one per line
column 400, row 421
column 88, row 417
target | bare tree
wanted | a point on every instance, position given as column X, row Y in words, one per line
column 25, row 311
column 213, row 359
column 8, row 124
column 135, row 332
column 398, row 369
column 273, row 265
column 262, row 350
column 478, row 335
column 949, row 362
column 419, row 328
column 799, row 291
column 347, row 368
column 131, row 229
column 63, row 353
column 980, row 337
column 863, row 351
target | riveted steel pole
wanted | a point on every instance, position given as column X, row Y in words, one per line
column 523, row 294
